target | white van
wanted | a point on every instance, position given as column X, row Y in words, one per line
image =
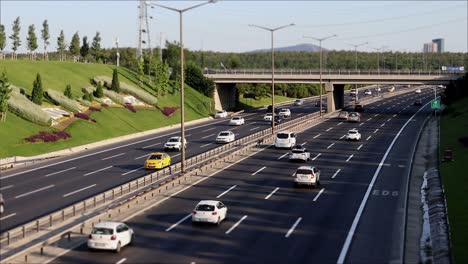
column 285, row 139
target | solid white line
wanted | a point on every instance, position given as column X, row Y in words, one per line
column 284, row 155
column 8, row 216
column 318, row 194
column 202, row 146
column 146, row 155
column 318, row 155
column 394, row 115
column 360, row 147
column 252, row 123
column 149, row 146
column 368, row 138
column 376, row 115
column 388, row 120
column 268, row 196
column 113, row 156
column 317, row 136
column 128, row 172
column 329, row 129
column 89, row 173
column 304, row 143
column 376, row 130
column 188, row 135
column 254, row 128
column 236, row 224
column 293, row 227
column 361, row 124
column 219, row 196
column 382, row 125
column 176, row 224
column 336, row 173
column 349, row 158
column 342, row 136
column 258, row 171
column 346, row 245
column 57, row 172
column 121, row 261
column 6, row 187
column 208, row 136
column 330, row 145
column 208, row 129
column 340, row 123
column 35, row 191
column 176, row 155
column 77, row 191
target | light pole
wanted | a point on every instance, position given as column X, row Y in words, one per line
column 272, row 30
column 355, row 66
column 181, row 39
column 320, row 42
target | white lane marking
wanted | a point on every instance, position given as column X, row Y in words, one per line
column 382, row 125
column 336, row 173
column 317, row 136
column 208, row 136
column 128, row 172
column 236, row 224
column 368, row 138
column 113, row 156
column 318, row 195
column 340, row 123
column 394, row 115
column 262, row 168
column 208, row 129
column 176, row 155
column 146, row 155
column 376, row 115
column 361, row 124
column 219, row 196
column 304, row 143
column 149, row 146
column 284, row 155
column 254, row 128
column 8, row 216
column 6, row 187
column 349, row 158
column 77, row 191
column 202, row 146
column 252, row 123
column 176, row 224
column 344, row 250
column 329, row 129
column 121, row 261
column 35, row 191
column 388, row 120
column 188, row 135
column 376, row 130
column 293, row 227
column 360, row 147
column 331, row 145
column 342, row 136
column 318, row 155
column 57, row 172
column 89, row 173
column 269, row 195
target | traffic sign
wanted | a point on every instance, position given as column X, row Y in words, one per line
column 435, row 104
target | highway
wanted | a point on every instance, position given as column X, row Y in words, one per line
column 270, row 221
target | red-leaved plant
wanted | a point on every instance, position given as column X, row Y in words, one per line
column 48, row 136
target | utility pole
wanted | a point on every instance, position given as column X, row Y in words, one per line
column 355, row 67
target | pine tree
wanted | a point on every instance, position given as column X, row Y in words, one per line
column 2, row 41
column 15, row 37
column 96, row 46
column 61, row 45
column 75, row 46
column 115, row 81
column 37, row 92
column 45, row 37
column 5, row 92
column 99, row 93
column 68, row 92
column 32, row 42
column 84, row 51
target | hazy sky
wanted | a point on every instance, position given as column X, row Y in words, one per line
column 223, row 26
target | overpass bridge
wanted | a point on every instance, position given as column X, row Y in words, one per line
column 334, row 80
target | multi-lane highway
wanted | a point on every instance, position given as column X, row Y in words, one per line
column 356, row 215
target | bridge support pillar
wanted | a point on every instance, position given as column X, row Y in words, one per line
column 335, row 96
column 225, row 96
column 330, row 100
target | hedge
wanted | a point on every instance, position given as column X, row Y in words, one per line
column 140, row 94
column 21, row 106
column 65, row 102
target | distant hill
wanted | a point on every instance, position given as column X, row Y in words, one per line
column 298, row 47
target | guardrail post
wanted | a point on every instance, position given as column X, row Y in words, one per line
column 8, row 238
column 37, row 226
column 104, row 197
column 74, row 210
column 42, row 251
column 63, row 215
column 24, row 231
column 50, row 220
column 129, row 187
column 26, row 258
column 84, row 206
column 94, row 201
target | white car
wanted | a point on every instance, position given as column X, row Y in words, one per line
column 299, row 153
column 353, row 134
column 285, row 139
column 298, row 102
column 221, row 114
column 368, row 92
column 352, row 92
column 307, row 175
column 2, row 204
column 174, row 143
column 209, row 211
column 225, row 137
column 268, row 117
column 418, row 91
column 285, row 112
column 110, row 236
column 237, row 121
column 378, row 89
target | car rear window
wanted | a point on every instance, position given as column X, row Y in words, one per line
column 155, row 157
column 303, row 171
column 224, row 134
column 102, row 231
column 205, row 207
column 282, row 135
column 235, row 118
column 352, row 132
column 173, row 140
column 297, row 151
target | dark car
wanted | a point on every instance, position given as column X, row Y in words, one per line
column 278, row 119
column 417, row 103
column 277, row 109
column 358, row 108
column 317, row 103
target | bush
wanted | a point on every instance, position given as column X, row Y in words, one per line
column 115, row 86
column 84, row 102
column 130, row 107
column 26, row 109
column 65, row 102
column 104, row 105
column 140, row 94
column 117, row 98
column 37, row 92
column 168, row 111
column 47, row 136
column 99, row 92
column 94, row 109
column 68, row 92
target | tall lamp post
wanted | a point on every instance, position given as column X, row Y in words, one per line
column 320, row 42
column 182, row 99
column 355, row 66
column 272, row 30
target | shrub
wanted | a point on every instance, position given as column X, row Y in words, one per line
column 117, row 98
column 94, row 109
column 82, row 116
column 115, row 86
column 68, row 92
column 140, row 94
column 84, row 102
column 65, row 102
column 37, row 92
column 130, row 107
column 47, row 136
column 168, row 111
column 99, row 92
column 104, row 105
column 26, row 109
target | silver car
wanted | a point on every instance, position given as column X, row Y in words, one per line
column 2, row 204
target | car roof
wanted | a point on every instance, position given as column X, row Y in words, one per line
column 353, row 130
column 285, row 132
column 305, row 168
column 208, row 202
column 107, row 224
column 175, row 137
column 225, row 131
column 157, row 153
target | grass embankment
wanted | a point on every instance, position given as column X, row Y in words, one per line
column 253, row 103
column 111, row 122
column 454, row 125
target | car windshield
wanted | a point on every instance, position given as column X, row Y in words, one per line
column 153, row 157
column 220, row 112
column 284, row 110
column 352, row 132
column 298, row 101
column 205, row 207
column 236, row 118
column 173, row 140
column 282, row 135
column 352, row 114
column 102, row 231
column 224, row 134
column 269, row 114
column 298, row 151
column 304, row 171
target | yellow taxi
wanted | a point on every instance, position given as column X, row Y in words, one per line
column 158, row 160
column 391, row 89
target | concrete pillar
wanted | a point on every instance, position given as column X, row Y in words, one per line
column 225, row 96
column 338, row 94
column 330, row 100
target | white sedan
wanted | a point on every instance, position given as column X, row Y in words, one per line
column 237, row 121
column 221, row 114
column 110, row 236
column 353, row 134
column 209, row 211
column 225, row 137
column 418, row 91
column 268, row 117
column 299, row 153
column 368, row 92
column 285, row 112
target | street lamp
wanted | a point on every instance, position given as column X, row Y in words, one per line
column 182, row 127
column 272, row 30
column 320, row 41
column 355, row 66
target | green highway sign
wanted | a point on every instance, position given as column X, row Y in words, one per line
column 435, row 104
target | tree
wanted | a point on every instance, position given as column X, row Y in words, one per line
column 233, row 61
column 5, row 92
column 45, row 37
column 61, row 46
column 15, row 37
column 2, row 41
column 99, row 93
column 194, row 77
column 32, row 42
column 115, row 86
column 162, row 78
column 68, row 92
column 96, row 46
column 75, row 46
column 37, row 92
column 84, row 51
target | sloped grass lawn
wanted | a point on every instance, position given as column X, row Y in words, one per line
column 253, row 103
column 455, row 177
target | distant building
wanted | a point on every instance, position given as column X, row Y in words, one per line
column 430, row 47
column 440, row 45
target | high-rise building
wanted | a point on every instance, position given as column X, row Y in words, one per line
column 440, row 45
column 430, row 47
